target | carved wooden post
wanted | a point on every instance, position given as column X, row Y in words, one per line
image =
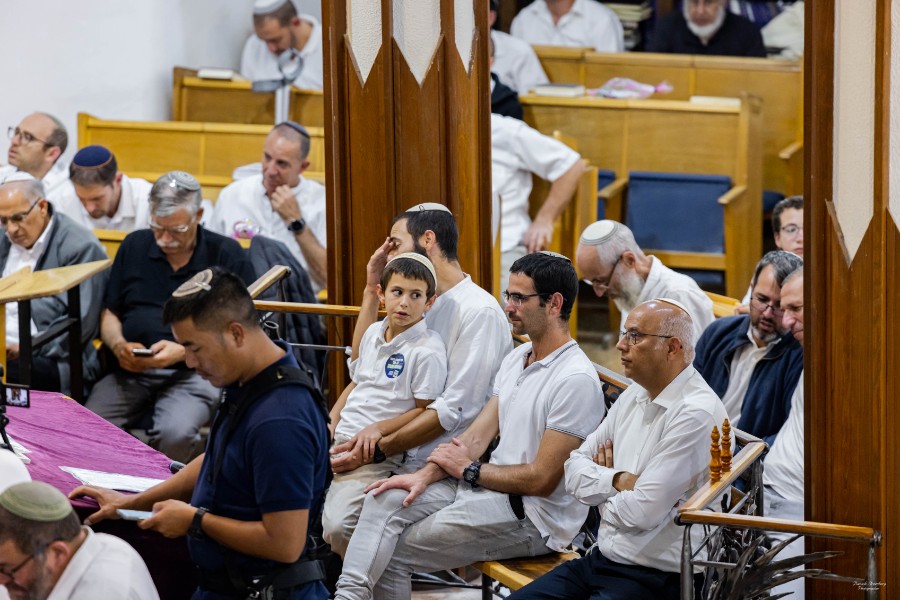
column 715, row 465
column 726, row 447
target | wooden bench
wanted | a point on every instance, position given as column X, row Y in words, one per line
column 208, row 151
column 195, row 99
column 777, row 83
column 670, row 136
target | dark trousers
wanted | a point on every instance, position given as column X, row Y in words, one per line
column 44, row 374
column 595, row 577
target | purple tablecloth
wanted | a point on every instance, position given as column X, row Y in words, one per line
column 61, row 432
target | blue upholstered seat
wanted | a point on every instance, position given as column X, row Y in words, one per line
column 604, row 178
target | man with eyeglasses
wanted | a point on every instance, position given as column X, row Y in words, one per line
column 35, row 147
column 279, row 202
column 611, row 262
column 45, row 552
column 750, row 361
column 149, row 374
column 456, row 510
column 280, row 32
column 707, row 27
column 39, row 237
column 648, row 457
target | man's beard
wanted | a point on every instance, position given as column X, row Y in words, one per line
column 631, row 286
column 705, row 32
column 39, row 589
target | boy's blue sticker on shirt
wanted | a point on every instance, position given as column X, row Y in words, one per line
column 394, row 365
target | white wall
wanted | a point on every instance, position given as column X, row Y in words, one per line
column 110, row 58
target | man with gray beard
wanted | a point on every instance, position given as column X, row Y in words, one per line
column 150, row 373
column 706, row 27
column 611, row 262
column 751, row 361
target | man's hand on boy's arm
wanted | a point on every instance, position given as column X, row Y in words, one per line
column 360, row 449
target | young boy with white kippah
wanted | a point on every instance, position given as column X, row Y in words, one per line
column 401, row 368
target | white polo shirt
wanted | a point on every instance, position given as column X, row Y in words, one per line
column 665, row 442
column 561, row 393
column 663, row 282
column 517, row 151
column 784, row 464
column 245, row 201
column 588, row 24
column 104, row 567
column 475, row 331
column 132, row 213
column 257, row 63
column 390, row 376
column 516, row 63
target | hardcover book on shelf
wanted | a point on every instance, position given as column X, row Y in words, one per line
column 560, row 90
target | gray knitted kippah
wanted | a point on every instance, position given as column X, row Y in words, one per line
column 36, row 501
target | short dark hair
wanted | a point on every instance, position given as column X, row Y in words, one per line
column 295, row 132
column 91, row 176
column 58, row 137
column 411, row 269
column 783, row 262
column 551, row 275
column 226, row 300
column 783, row 205
column 283, row 14
column 441, row 222
column 31, row 537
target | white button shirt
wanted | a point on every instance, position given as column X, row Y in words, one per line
column 559, row 393
column 517, row 151
column 516, row 63
column 56, row 181
column 18, row 258
column 391, row 376
column 588, row 24
column 742, row 364
column 132, row 213
column 784, row 464
column 246, row 200
column 663, row 282
column 665, row 442
column 104, row 567
column 475, row 331
column 257, row 63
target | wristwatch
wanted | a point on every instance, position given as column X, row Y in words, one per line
column 472, row 473
column 196, row 528
column 297, row 225
column 378, row 456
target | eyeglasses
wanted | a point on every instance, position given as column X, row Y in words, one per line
column 633, row 336
column 17, row 218
column 763, row 306
column 600, row 287
column 173, row 230
column 26, row 137
column 519, row 299
column 11, row 574
column 791, row 229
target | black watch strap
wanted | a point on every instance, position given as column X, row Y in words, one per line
column 472, row 473
column 196, row 529
column 378, row 456
column 297, row 225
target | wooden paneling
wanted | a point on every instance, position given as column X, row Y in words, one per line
column 195, row 99
column 563, row 64
column 208, row 151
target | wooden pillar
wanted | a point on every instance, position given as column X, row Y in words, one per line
column 407, row 120
column 852, row 329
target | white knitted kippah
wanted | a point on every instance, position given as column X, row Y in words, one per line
column 598, row 232
column 420, row 259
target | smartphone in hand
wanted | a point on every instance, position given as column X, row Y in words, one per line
column 133, row 515
column 142, row 351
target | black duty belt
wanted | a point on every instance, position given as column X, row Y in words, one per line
column 238, row 585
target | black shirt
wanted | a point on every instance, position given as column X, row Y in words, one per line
column 141, row 279
column 505, row 100
column 737, row 37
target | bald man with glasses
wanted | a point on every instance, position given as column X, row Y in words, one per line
column 149, row 374
column 40, row 238
column 36, row 145
column 751, row 361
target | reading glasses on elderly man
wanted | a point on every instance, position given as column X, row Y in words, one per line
column 17, row 218
column 633, row 336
